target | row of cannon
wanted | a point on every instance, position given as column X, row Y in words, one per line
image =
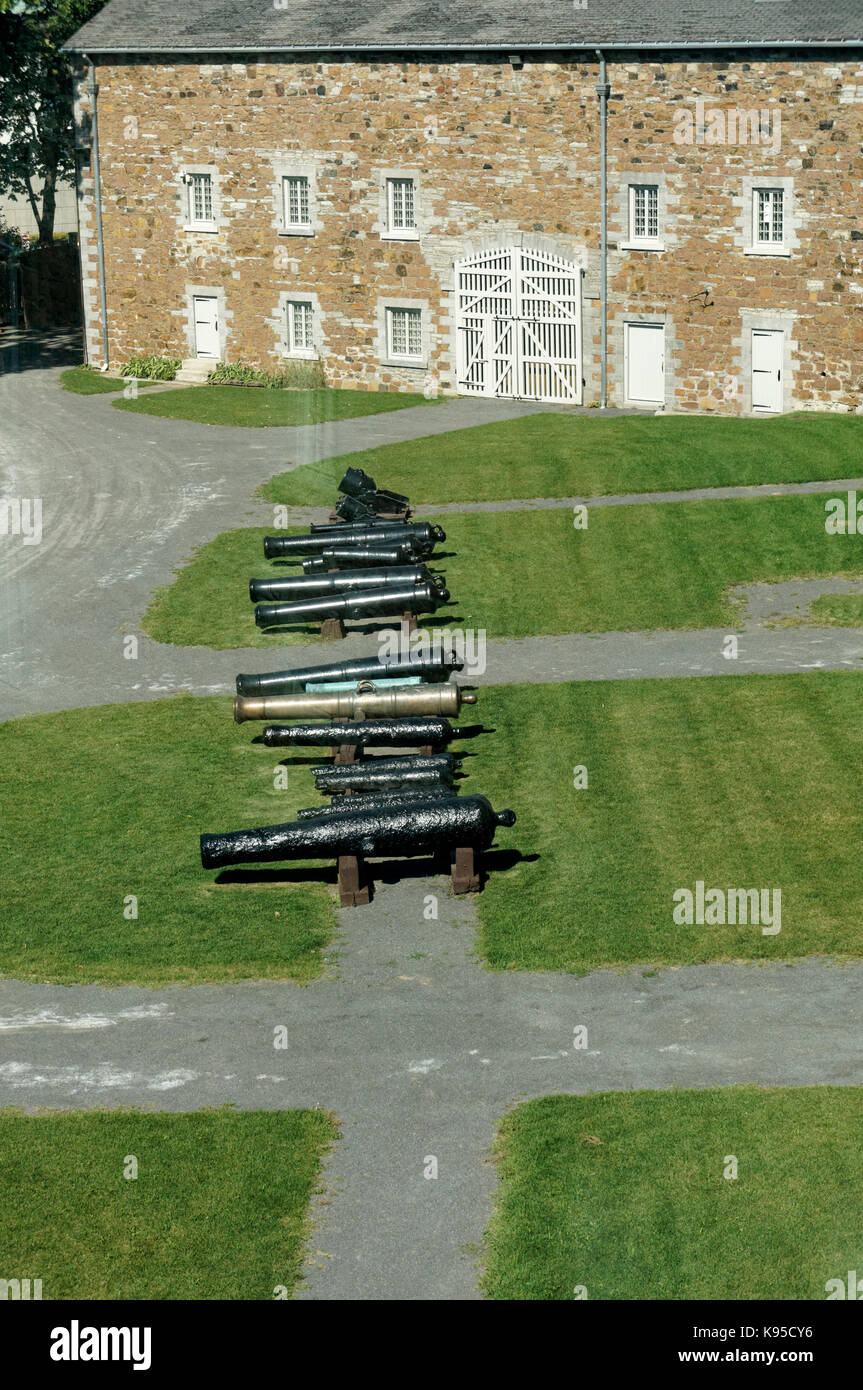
column 400, row 805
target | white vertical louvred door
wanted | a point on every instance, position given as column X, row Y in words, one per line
column 518, row 325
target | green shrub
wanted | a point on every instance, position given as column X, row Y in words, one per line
column 157, row 368
column 294, row 376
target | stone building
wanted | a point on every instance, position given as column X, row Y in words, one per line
column 414, row 194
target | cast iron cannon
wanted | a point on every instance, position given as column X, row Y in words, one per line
column 387, row 774
column 357, row 483
column 423, row 536
column 363, row 733
column 300, row 586
column 374, row 531
column 370, row 801
column 347, row 557
column 373, row 603
column 419, row 828
column 431, row 668
column 445, row 698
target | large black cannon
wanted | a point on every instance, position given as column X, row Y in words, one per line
column 387, row 774
column 418, row 828
column 423, row 536
column 363, row 733
column 366, row 702
column 278, row 588
column 370, row 801
column 431, row 668
column 348, row 557
column 375, row 603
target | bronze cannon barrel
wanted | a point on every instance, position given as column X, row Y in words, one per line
column 364, row 733
column 278, row 587
column 417, row 828
column 358, row 604
column 446, row 698
column 369, row 801
column 431, row 668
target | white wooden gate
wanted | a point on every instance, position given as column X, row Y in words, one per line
column 518, row 325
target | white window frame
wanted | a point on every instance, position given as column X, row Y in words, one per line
column 193, row 223
column 410, row 359
column 634, row 238
column 306, row 350
column 770, row 242
column 748, row 224
column 394, row 232
column 287, row 224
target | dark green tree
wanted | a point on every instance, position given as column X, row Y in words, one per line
column 36, row 132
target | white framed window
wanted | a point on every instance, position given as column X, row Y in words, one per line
column 296, row 207
column 401, row 206
column 405, row 334
column 768, row 217
column 643, row 212
column 300, row 328
column 200, row 199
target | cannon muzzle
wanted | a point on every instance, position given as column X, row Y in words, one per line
column 417, row 828
column 363, row 703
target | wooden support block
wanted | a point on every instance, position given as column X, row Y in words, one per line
column 332, row 629
column 347, row 753
column 354, row 886
column 426, row 751
column 465, row 870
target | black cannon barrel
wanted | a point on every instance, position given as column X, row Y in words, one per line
column 418, row 827
column 360, row 557
column 364, row 733
column 431, row 668
column 372, row 532
column 279, row 588
column 375, row 603
column 369, row 801
column 403, row 762
column 366, row 777
column 384, row 534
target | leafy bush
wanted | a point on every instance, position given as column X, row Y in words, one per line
column 301, row 375
column 157, row 368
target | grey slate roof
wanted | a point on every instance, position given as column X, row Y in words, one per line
column 198, row 26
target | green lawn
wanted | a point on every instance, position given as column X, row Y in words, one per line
column 237, row 405
column 83, row 381
column 738, row 782
column 623, row 1194
column 837, row 610
column 517, row 574
column 218, row 1210
column 97, row 805
column 563, row 455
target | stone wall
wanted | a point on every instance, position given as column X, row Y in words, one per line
column 500, row 154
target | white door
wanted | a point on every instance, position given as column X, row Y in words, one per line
column 206, row 326
column 767, row 349
column 645, row 362
column 518, row 325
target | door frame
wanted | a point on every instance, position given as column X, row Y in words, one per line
column 645, row 321
column 193, row 292
column 773, row 333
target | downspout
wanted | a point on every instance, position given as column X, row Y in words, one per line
column 97, row 189
column 603, row 92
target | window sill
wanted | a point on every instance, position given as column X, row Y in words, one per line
column 200, row 227
column 406, row 235
column 296, row 231
column 299, row 355
column 419, row 364
column 767, row 250
column 641, row 246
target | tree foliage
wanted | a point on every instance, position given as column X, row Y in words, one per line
column 36, row 131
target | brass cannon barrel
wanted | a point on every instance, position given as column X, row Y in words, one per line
column 416, row 828
column 364, row 733
column 370, row 801
column 431, row 668
column 347, row 557
column 278, row 587
column 358, row 604
column 446, row 698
